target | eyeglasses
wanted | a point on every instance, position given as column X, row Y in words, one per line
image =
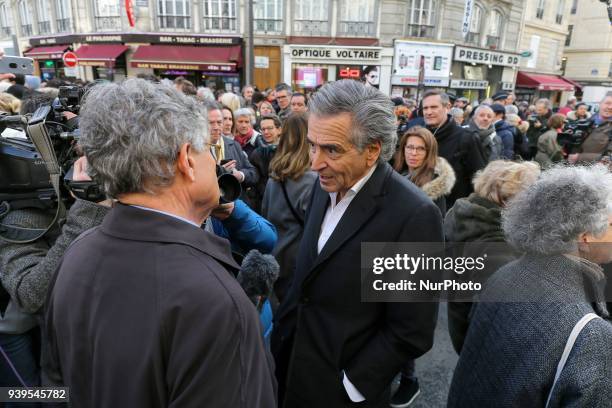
column 415, row 149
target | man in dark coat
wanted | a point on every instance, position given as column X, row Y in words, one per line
column 332, row 349
column 538, row 124
column 144, row 310
column 458, row 146
column 504, row 131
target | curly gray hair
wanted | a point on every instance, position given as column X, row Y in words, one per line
column 133, row 131
column 548, row 217
column 371, row 111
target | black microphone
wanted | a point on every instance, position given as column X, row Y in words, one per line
column 257, row 276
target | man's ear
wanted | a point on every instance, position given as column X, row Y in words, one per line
column 185, row 163
column 372, row 152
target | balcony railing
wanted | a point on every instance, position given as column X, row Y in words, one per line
column 559, row 19
column 63, row 25
column 44, row 27
column 108, row 23
column 268, row 26
column 315, row 28
column 492, row 42
column 220, row 24
column 540, row 13
column 473, row 38
column 182, row 22
column 26, row 30
column 6, row 31
column 422, row 31
column 357, row 28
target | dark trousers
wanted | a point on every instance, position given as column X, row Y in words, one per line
column 22, row 350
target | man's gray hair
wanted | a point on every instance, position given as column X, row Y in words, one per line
column 482, row 107
column 548, row 217
column 511, row 110
column 546, row 102
column 372, row 117
column 132, row 132
column 607, row 95
column 444, row 98
column 246, row 112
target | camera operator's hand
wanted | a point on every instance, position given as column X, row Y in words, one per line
column 230, row 165
column 223, row 211
column 572, row 158
column 69, row 115
column 5, row 75
column 80, row 174
column 537, row 124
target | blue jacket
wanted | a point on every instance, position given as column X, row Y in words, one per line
column 246, row 230
column 504, row 131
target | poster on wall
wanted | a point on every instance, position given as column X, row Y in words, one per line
column 438, row 61
column 368, row 74
column 308, row 77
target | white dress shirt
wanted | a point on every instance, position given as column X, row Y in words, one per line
column 333, row 215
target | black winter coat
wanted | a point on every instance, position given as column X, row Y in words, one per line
column 322, row 328
column 463, row 151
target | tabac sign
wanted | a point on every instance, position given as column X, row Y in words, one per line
column 490, row 57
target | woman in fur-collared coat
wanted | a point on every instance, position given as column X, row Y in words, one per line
column 417, row 158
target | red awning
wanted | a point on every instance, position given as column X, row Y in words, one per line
column 571, row 81
column 100, row 55
column 51, row 52
column 225, row 59
column 543, row 82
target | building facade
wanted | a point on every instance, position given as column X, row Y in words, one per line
column 543, row 39
column 588, row 49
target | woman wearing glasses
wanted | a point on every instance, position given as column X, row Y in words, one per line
column 417, row 158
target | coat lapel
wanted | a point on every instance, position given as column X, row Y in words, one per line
column 361, row 209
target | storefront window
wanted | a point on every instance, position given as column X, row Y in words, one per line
column 308, row 77
column 368, row 74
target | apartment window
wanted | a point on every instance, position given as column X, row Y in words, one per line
column 496, row 27
column 26, row 19
column 44, row 20
column 540, row 9
column 220, row 15
column 473, row 36
column 574, row 6
column 422, row 18
column 268, row 16
column 357, row 18
column 6, row 20
column 62, row 11
column 554, row 54
column 311, row 17
column 568, row 39
column 174, row 14
column 107, row 15
column 560, row 10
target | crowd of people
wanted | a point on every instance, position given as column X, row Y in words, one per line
column 133, row 300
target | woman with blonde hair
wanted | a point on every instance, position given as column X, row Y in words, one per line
column 9, row 104
column 230, row 100
column 476, row 223
column 287, row 194
column 417, row 159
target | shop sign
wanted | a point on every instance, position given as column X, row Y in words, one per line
column 261, row 61
column 71, row 71
column 184, row 66
column 407, row 58
column 507, row 86
column 136, row 38
column 482, row 56
column 467, row 18
column 468, row 84
column 336, row 53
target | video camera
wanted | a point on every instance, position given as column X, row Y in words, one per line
column 24, row 176
column 574, row 134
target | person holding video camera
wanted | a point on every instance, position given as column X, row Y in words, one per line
column 538, row 124
column 167, row 323
column 597, row 145
column 28, row 267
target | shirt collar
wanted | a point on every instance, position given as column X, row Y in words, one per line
column 168, row 214
column 356, row 187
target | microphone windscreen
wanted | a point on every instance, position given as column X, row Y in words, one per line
column 258, row 273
